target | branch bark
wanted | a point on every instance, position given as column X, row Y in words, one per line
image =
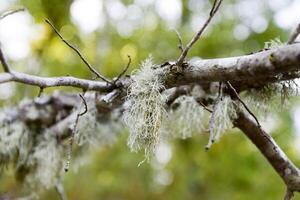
column 289, row 173
column 260, row 66
column 44, row 82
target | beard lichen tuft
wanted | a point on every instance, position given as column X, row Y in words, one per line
column 224, row 112
column 146, row 112
column 187, row 118
column 97, row 131
column 43, row 167
column 14, row 143
column 274, row 43
column 261, row 100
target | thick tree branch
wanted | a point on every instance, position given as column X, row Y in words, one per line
column 262, row 66
column 257, row 69
column 272, row 152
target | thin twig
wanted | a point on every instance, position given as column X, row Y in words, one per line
column 124, row 71
column 91, row 68
column 205, row 107
column 40, row 91
column 73, row 131
column 213, row 11
column 11, row 12
column 294, row 35
column 4, row 62
column 85, row 106
column 213, row 8
column 242, row 102
column 180, row 43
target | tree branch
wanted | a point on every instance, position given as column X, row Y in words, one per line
column 91, row 68
column 45, row 82
column 214, row 9
column 263, row 67
column 289, row 173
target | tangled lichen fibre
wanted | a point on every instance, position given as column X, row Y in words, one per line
column 44, row 163
column 223, row 113
column 273, row 95
column 187, row 119
column 146, row 112
column 14, row 143
column 94, row 132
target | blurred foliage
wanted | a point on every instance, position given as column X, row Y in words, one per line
column 233, row 169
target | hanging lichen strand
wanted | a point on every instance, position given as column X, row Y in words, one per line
column 15, row 143
column 146, row 111
column 187, row 118
column 260, row 99
column 220, row 121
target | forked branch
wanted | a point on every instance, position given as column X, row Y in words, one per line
column 213, row 11
column 91, row 68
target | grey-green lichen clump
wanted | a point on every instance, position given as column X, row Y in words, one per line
column 146, row 112
column 224, row 112
column 14, row 143
column 96, row 131
column 187, row 118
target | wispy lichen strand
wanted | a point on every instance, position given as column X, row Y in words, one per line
column 187, row 118
column 146, row 112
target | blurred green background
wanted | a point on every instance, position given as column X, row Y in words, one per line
column 108, row 31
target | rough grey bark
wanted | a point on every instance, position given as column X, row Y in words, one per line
column 289, row 173
column 266, row 66
column 255, row 70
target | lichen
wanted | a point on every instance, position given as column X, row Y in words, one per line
column 14, row 143
column 263, row 99
column 94, row 132
column 44, row 164
column 223, row 113
column 145, row 115
column 274, row 43
column 187, row 118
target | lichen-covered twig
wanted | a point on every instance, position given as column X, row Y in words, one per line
column 73, row 132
